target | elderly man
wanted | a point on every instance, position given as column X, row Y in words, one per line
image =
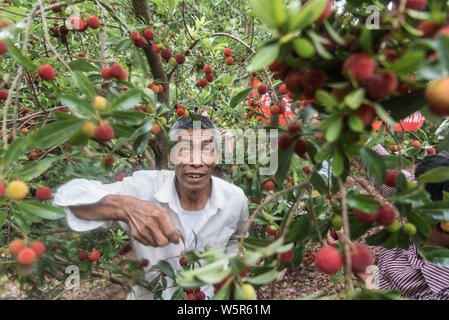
column 158, row 208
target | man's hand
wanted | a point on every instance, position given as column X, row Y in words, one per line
column 150, row 224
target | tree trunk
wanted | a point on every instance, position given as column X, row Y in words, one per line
column 160, row 143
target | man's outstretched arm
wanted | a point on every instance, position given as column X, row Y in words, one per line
column 150, row 224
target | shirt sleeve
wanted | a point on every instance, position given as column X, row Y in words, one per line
column 82, row 192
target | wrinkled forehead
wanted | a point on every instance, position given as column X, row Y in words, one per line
column 190, row 135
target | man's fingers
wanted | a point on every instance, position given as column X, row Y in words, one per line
column 158, row 236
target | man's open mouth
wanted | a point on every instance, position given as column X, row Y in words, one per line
column 195, row 175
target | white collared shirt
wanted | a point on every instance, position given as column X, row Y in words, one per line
column 220, row 226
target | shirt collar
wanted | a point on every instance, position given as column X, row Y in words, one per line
column 168, row 194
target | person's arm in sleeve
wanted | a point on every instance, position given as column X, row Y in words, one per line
column 90, row 204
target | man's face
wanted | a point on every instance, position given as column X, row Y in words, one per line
column 194, row 157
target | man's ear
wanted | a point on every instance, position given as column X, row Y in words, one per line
column 169, row 159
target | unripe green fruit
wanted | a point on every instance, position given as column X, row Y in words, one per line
column 410, row 184
column 249, row 291
column 173, row 61
column 249, row 175
column 410, row 229
column 337, row 222
column 395, row 226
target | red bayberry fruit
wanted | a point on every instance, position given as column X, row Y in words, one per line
column 227, row 52
column 283, row 89
column 43, row 193
column 286, row 257
column 329, row 260
column 155, row 48
column 209, row 77
column 385, row 215
column 183, row 261
column 3, row 47
column 366, row 113
column 135, row 35
column 262, row 89
column 300, row 148
column 428, row 28
column 144, row 263
column 364, row 216
column 381, row 85
column 229, row 61
column 3, row 94
column 200, row 295
column 104, row 132
column 94, row 256
column 166, row 54
column 26, row 256
column 202, row 83
column 293, row 81
column 361, row 258
column 77, row 23
column 148, row 34
column 391, row 178
column 83, row 255
column 269, row 185
column 285, row 141
column 275, row 109
column 207, row 69
column 140, row 42
column 313, row 79
column 430, row 150
column 191, row 296
column 180, row 112
column 105, row 74
column 16, row 246
column 180, row 58
column 93, row 22
column 361, row 65
column 46, row 72
column 38, row 247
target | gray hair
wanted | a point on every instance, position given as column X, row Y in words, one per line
column 188, row 124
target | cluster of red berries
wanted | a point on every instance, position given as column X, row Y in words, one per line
column 385, row 216
column 227, row 53
column 140, row 40
column 287, row 139
column 219, row 285
column 83, row 255
column 195, row 294
column 115, row 71
column 309, row 257
column 181, row 110
column 156, row 88
column 330, row 259
column 26, row 255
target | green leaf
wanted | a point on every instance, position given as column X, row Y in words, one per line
column 299, row 228
column 325, row 98
column 264, row 57
column 239, row 97
column 404, row 105
column 127, row 101
column 84, row 84
column 334, row 34
column 334, row 129
column 79, row 107
column 362, row 202
column 18, row 56
column 318, row 183
column 375, row 164
column 304, row 48
column 378, row 238
column 383, row 115
column 131, row 117
column 338, row 164
column 366, row 41
column 437, row 175
column 285, row 158
column 438, row 210
column 40, row 209
column 34, row 169
column 16, row 149
column 408, row 62
column 308, row 14
column 443, row 51
column 271, row 12
column 355, row 98
column 355, row 123
column 263, row 278
column 82, row 66
column 166, row 268
column 436, row 255
column 55, row 133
